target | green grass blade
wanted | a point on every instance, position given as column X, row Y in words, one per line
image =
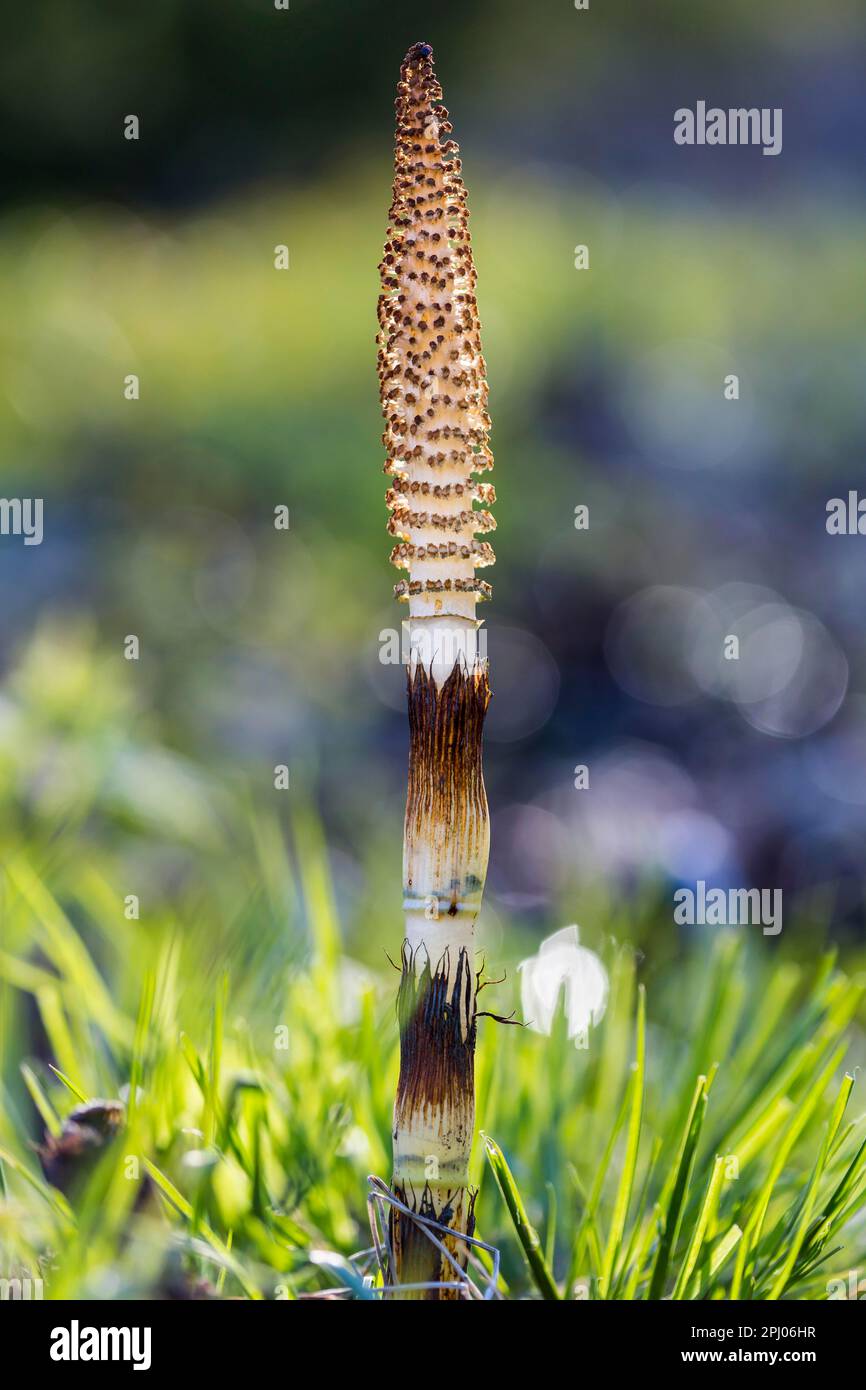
column 626, row 1182
column 69, row 1084
column 55, row 1199
column 708, row 1207
column 685, row 1165
column 796, row 1244
column 526, row 1232
column 185, row 1209
column 41, row 1101
column 821, row 1077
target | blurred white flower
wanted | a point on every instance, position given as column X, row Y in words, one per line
column 563, row 965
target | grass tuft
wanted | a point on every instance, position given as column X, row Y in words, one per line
column 700, row 1147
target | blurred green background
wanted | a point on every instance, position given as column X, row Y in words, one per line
column 261, row 127
column 258, row 389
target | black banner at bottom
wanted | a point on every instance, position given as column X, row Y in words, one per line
column 69, row 1338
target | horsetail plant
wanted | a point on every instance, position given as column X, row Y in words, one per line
column 434, row 399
